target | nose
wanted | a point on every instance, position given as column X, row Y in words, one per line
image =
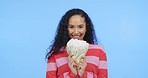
column 76, row 31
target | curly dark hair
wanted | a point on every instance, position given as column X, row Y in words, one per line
column 62, row 37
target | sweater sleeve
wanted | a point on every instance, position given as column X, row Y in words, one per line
column 51, row 68
column 102, row 67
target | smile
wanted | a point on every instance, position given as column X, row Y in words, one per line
column 75, row 37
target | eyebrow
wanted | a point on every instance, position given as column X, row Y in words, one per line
column 82, row 24
column 78, row 25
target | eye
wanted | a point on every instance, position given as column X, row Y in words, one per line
column 81, row 26
column 70, row 26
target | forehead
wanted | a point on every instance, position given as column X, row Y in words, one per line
column 76, row 19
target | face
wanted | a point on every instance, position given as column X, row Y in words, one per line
column 77, row 27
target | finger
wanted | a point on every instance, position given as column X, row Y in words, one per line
column 82, row 57
column 82, row 61
column 70, row 55
column 71, row 62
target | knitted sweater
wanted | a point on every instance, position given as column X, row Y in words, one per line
column 57, row 66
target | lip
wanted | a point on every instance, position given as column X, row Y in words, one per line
column 76, row 37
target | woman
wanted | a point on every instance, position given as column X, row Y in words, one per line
column 76, row 24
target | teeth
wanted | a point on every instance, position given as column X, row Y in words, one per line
column 76, row 36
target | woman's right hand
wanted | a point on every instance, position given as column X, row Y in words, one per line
column 72, row 65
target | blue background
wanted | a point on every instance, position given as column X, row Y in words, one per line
column 27, row 28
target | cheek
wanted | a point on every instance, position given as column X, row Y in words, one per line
column 83, row 31
column 69, row 32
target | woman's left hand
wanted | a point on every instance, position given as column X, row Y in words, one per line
column 81, row 66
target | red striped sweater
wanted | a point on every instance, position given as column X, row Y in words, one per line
column 57, row 66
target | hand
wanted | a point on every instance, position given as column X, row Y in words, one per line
column 81, row 67
column 72, row 65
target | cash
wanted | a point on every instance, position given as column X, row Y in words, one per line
column 77, row 48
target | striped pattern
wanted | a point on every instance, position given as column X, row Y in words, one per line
column 57, row 66
column 61, row 61
column 51, row 66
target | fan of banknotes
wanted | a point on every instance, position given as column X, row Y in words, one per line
column 77, row 48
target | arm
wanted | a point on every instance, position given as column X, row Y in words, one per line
column 51, row 68
column 102, row 67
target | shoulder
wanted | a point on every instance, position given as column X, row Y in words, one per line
column 95, row 50
column 96, row 47
column 60, row 54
